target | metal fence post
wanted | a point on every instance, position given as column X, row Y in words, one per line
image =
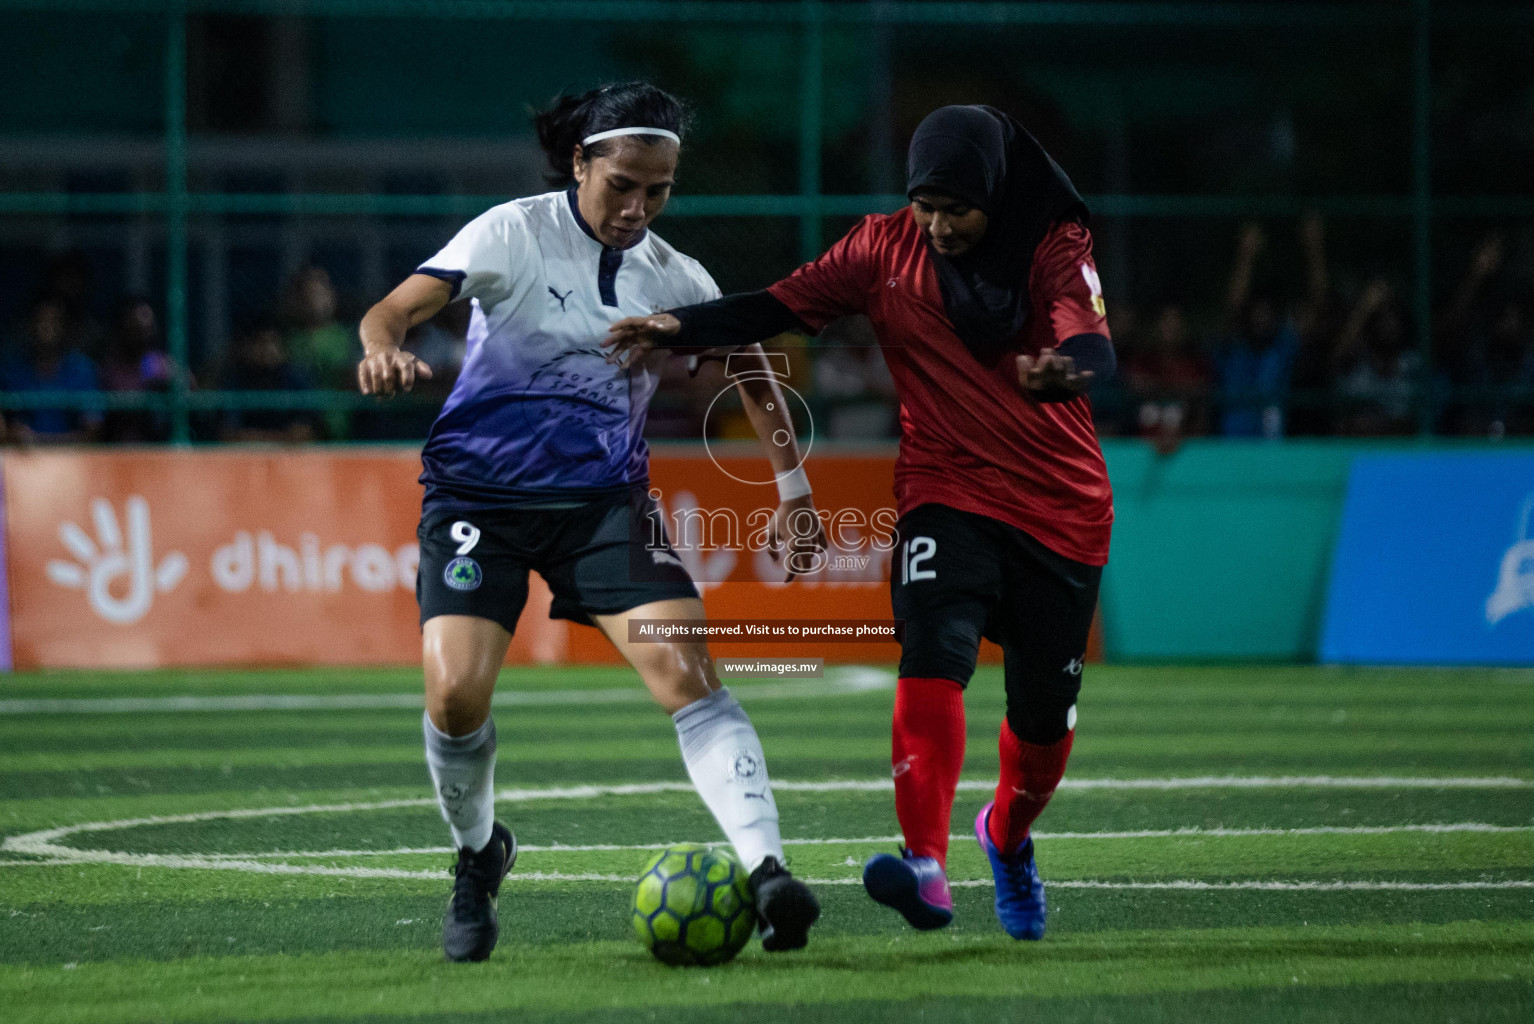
column 176, row 226
column 811, row 127
column 1422, row 207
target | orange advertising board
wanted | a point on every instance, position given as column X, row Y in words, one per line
column 308, row 556
column 211, row 557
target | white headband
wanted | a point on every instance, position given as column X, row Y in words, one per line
column 614, row 133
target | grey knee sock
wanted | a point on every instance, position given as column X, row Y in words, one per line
column 463, row 769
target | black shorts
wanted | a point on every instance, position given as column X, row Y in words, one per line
column 958, row 576
column 598, row 558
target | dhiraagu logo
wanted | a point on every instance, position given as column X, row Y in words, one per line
column 116, row 569
column 1515, row 577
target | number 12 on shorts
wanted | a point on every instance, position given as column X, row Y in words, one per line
column 913, row 552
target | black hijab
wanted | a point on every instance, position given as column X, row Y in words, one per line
column 984, row 157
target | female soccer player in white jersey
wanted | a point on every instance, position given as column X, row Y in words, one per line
column 538, row 461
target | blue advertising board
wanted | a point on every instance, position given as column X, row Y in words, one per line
column 1435, row 562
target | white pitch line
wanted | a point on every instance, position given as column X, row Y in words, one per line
column 838, row 681
column 1172, row 833
column 43, row 843
column 1193, row 885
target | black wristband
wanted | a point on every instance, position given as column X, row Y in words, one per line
column 1090, row 352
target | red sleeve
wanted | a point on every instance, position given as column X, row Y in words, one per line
column 1064, row 283
column 836, row 284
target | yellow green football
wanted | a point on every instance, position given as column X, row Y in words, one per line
column 693, row 906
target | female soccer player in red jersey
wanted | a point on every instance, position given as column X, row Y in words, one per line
column 987, row 305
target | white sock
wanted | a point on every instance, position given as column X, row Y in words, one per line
column 725, row 759
column 463, row 769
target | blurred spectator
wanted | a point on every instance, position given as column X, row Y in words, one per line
column 1318, row 321
column 1377, row 369
column 261, row 363
column 1168, row 382
column 1500, row 366
column 135, row 363
column 326, row 352
column 317, row 343
column 1488, row 340
column 849, row 373
column 1112, row 404
column 1256, row 350
column 49, row 360
column 69, row 278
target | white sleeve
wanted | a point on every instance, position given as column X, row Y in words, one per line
column 701, row 287
column 704, row 286
column 482, row 258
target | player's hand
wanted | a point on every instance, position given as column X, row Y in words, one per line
column 389, row 371
column 798, row 534
column 632, row 338
column 1050, row 371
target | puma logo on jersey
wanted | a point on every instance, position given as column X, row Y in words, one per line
column 560, row 297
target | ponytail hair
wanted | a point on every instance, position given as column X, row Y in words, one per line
column 569, row 119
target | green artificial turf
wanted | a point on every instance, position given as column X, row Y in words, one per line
column 1305, row 893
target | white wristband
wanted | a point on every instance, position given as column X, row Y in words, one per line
column 793, row 484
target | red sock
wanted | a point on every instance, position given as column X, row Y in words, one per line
column 1029, row 775
column 928, row 752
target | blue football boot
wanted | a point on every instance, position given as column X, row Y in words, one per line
column 1019, row 890
column 915, row 886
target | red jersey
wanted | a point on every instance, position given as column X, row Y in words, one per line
column 969, row 438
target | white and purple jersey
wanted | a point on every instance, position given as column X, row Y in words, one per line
column 537, row 414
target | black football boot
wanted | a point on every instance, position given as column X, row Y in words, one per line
column 785, row 907
column 471, row 928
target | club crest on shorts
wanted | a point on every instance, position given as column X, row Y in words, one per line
column 745, row 767
column 463, row 573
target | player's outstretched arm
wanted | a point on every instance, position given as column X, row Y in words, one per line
column 796, row 528
column 386, row 368
column 728, row 322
